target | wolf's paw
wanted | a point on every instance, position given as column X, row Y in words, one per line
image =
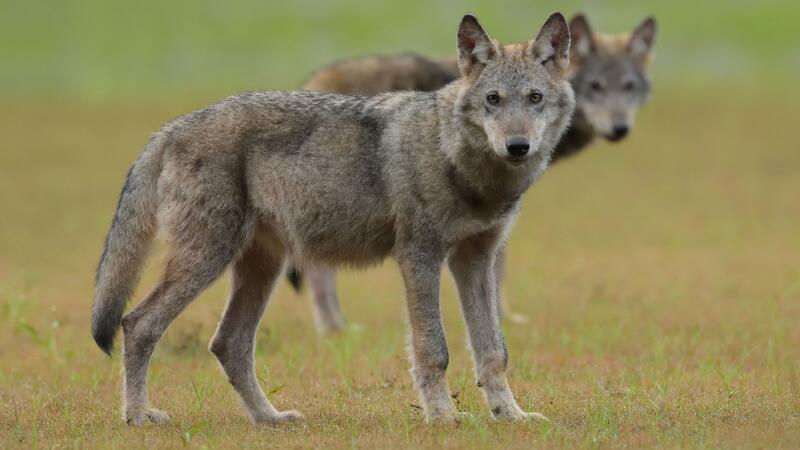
column 143, row 416
column 513, row 413
column 332, row 327
column 447, row 417
column 517, row 318
column 463, row 416
column 156, row 415
column 443, row 419
column 536, row 417
column 355, row 327
column 280, row 418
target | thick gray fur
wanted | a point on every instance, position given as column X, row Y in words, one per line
column 609, row 74
column 426, row 178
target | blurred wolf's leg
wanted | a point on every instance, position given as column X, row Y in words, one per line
column 328, row 316
column 503, row 309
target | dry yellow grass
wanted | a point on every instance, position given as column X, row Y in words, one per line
column 661, row 278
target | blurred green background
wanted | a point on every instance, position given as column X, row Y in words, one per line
column 100, row 49
column 661, row 275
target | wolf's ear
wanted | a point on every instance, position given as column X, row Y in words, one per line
column 582, row 40
column 551, row 46
column 640, row 45
column 475, row 47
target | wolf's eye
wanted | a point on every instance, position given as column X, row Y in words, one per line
column 535, row 97
column 629, row 85
column 493, row 98
column 596, row 86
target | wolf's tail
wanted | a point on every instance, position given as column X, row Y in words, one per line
column 295, row 277
column 127, row 244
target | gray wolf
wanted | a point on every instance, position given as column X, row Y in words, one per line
column 425, row 177
column 608, row 72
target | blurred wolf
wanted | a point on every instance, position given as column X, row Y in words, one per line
column 608, row 74
column 333, row 179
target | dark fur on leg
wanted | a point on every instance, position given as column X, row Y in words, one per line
column 295, row 277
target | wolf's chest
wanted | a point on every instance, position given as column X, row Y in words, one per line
column 466, row 227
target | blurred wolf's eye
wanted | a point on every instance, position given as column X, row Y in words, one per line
column 535, row 97
column 629, row 85
column 493, row 98
column 596, row 86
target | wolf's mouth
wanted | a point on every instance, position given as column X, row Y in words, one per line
column 614, row 137
column 517, row 160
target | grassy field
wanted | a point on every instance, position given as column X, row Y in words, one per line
column 661, row 276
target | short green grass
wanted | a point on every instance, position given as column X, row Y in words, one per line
column 661, row 276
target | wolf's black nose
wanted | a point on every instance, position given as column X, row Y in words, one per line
column 619, row 132
column 517, row 146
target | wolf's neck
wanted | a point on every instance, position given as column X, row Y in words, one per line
column 577, row 137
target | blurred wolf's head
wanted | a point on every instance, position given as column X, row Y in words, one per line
column 515, row 97
column 609, row 75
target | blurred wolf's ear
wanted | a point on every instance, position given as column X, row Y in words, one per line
column 640, row 44
column 582, row 44
column 475, row 47
column 551, row 46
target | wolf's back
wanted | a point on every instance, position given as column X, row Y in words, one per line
column 127, row 244
column 373, row 75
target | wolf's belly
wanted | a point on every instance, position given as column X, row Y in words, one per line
column 337, row 239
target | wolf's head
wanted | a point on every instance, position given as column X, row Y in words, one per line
column 609, row 75
column 515, row 98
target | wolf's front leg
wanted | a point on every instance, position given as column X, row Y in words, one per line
column 472, row 265
column 428, row 347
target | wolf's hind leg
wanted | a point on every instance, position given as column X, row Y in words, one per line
column 233, row 344
column 328, row 316
column 192, row 265
column 503, row 308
